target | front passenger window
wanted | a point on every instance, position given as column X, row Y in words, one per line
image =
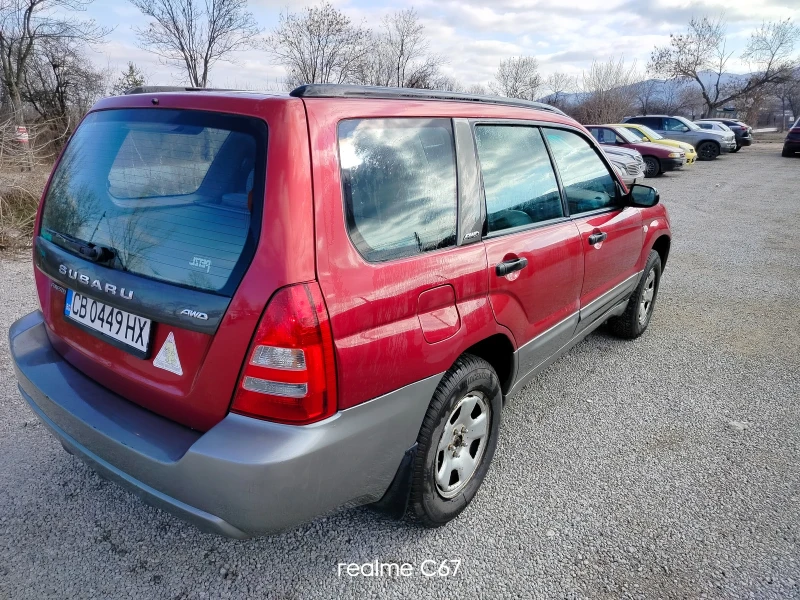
column 518, row 179
column 586, row 179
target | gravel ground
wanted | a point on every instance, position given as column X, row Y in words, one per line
column 666, row 467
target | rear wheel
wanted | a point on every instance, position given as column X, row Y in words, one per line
column 652, row 166
column 456, row 443
column 738, row 147
column 708, row 151
column 633, row 322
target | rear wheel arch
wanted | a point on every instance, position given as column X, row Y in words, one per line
column 498, row 351
column 662, row 246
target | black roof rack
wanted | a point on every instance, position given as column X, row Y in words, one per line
column 332, row 90
column 157, row 89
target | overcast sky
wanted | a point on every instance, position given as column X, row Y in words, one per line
column 474, row 35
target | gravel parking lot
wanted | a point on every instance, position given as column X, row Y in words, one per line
column 667, row 467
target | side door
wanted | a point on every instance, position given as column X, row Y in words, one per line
column 675, row 130
column 611, row 234
column 533, row 249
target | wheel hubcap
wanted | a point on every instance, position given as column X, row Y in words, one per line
column 650, row 169
column 646, row 303
column 462, row 444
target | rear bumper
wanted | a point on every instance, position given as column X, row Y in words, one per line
column 791, row 146
column 242, row 477
column 744, row 141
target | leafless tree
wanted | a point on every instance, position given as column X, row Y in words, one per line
column 607, row 91
column 446, row 83
column 788, row 93
column 61, row 84
column 26, row 23
column 195, row 34
column 319, row 45
column 559, row 85
column 477, row 89
column 518, row 77
column 400, row 55
column 702, row 50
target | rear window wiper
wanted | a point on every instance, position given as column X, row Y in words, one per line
column 94, row 252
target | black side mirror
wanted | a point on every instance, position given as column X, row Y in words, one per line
column 643, row 196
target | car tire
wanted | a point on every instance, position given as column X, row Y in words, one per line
column 708, row 151
column 448, row 439
column 652, row 166
column 634, row 321
column 738, row 147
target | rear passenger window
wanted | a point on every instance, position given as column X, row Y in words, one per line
column 518, row 178
column 399, row 183
column 586, row 179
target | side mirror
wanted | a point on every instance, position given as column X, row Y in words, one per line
column 643, row 196
column 684, row 129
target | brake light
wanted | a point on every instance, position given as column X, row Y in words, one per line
column 290, row 373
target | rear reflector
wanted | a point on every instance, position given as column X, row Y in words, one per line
column 290, row 373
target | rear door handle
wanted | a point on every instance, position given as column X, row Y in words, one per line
column 598, row 237
column 509, row 266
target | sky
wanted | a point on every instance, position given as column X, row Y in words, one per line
column 473, row 36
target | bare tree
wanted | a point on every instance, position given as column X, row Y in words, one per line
column 132, row 77
column 788, row 93
column 61, row 83
column 319, row 45
column 24, row 24
column 701, row 55
column 400, row 55
column 477, row 89
column 607, row 92
column 518, row 77
column 195, row 34
column 559, row 85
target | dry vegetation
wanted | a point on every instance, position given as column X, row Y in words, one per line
column 24, row 169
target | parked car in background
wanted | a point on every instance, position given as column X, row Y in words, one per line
column 274, row 307
column 741, row 130
column 791, row 145
column 657, row 158
column 646, row 134
column 629, row 163
column 709, row 144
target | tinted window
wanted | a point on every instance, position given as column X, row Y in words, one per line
column 586, row 180
column 399, row 182
column 652, row 122
column 604, row 136
column 674, row 125
column 636, row 133
column 518, row 177
column 171, row 192
column 706, row 125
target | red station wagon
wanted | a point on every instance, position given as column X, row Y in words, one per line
column 257, row 309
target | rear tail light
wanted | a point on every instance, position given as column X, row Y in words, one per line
column 290, row 372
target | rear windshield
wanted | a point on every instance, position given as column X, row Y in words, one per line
column 173, row 195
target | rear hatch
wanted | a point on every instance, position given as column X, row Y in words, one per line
column 148, row 227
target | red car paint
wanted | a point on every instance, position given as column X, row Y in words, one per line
column 393, row 323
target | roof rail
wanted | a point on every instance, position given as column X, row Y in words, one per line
column 156, row 89
column 332, row 90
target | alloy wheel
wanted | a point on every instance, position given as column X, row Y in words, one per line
column 646, row 302
column 462, row 444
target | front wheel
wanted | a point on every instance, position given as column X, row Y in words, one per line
column 652, row 166
column 633, row 322
column 456, row 442
column 708, row 151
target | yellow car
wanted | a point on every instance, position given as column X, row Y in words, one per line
column 646, row 134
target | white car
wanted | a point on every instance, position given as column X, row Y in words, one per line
column 628, row 163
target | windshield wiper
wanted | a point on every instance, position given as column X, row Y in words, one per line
column 93, row 252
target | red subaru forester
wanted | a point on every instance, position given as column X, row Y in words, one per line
column 257, row 309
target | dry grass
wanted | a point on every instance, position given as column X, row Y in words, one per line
column 19, row 198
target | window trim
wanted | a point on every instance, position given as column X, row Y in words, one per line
column 595, row 145
column 343, row 202
column 537, row 124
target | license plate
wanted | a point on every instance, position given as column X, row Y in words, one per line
column 128, row 329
